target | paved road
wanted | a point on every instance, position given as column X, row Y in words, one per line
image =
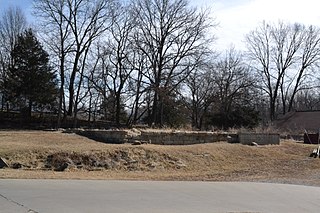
column 52, row 196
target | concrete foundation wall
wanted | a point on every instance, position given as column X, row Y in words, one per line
column 106, row 136
column 181, row 138
column 153, row 137
column 259, row 138
column 176, row 137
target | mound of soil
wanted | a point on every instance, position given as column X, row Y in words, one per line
column 130, row 159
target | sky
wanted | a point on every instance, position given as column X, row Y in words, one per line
column 25, row 5
column 239, row 17
column 235, row 18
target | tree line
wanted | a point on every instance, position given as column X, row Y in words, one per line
column 152, row 62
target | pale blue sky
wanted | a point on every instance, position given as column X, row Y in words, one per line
column 235, row 17
column 24, row 4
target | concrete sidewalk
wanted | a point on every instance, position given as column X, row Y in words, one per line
column 52, row 196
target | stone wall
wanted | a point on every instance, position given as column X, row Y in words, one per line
column 106, row 136
column 153, row 137
column 259, row 138
column 181, row 137
column 163, row 137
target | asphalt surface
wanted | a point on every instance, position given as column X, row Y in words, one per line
column 52, row 196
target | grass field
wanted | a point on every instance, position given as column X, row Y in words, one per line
column 41, row 154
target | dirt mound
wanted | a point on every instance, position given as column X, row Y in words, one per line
column 134, row 159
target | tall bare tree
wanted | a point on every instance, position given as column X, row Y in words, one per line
column 309, row 58
column 118, row 52
column 12, row 24
column 222, row 86
column 234, row 89
column 57, row 37
column 233, row 81
column 172, row 37
column 78, row 23
column 88, row 21
column 138, row 87
column 201, row 86
column 282, row 54
column 307, row 100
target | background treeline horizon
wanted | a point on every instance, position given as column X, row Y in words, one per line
column 152, row 62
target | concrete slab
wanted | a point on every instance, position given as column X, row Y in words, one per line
column 8, row 206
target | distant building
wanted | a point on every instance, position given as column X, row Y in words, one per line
column 299, row 121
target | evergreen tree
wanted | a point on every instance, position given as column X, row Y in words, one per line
column 30, row 81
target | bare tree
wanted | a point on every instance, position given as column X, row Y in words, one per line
column 282, row 55
column 118, row 53
column 12, row 24
column 222, row 85
column 234, row 84
column 307, row 100
column 259, row 46
column 97, row 78
column 308, row 59
column 80, row 22
column 201, row 86
column 172, row 37
column 138, row 87
column 57, row 37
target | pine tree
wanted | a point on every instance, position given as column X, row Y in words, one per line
column 30, row 81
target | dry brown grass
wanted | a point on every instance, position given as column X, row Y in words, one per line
column 286, row 163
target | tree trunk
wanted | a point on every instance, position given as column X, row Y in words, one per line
column 118, row 108
column 272, row 109
column 29, row 110
column 71, row 84
column 61, row 93
column 153, row 119
column 71, row 95
column 295, row 90
column 75, row 110
column 161, row 107
column 2, row 102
